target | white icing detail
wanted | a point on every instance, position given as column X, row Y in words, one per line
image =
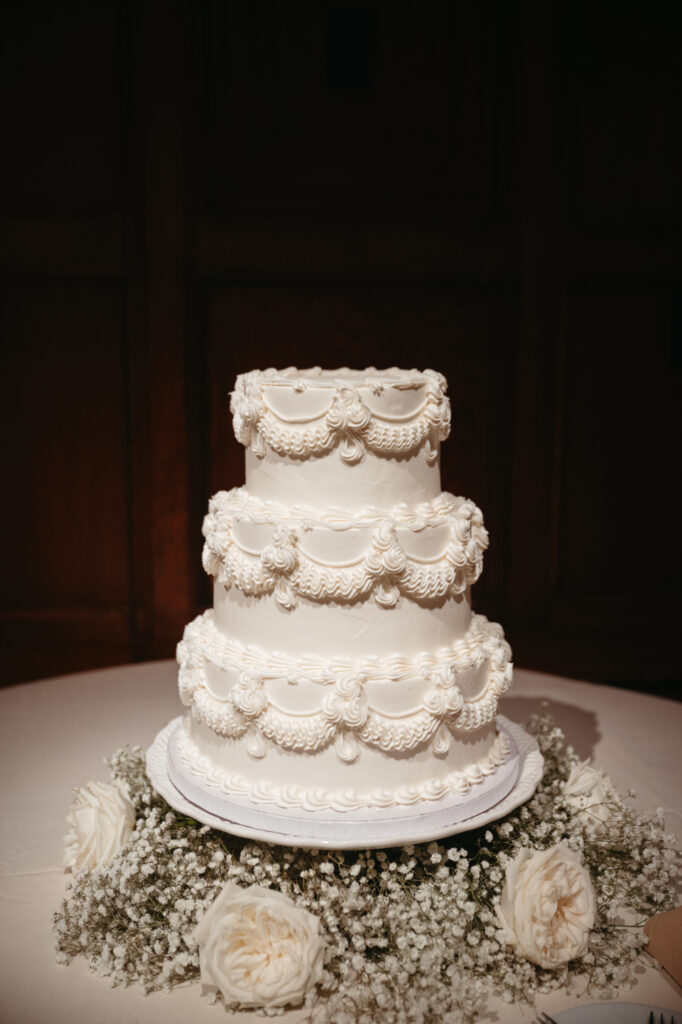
column 287, row 568
column 317, row 798
column 344, row 711
column 347, row 747
column 382, row 688
column 303, row 413
column 248, row 696
column 255, row 745
column 347, row 702
column 441, row 741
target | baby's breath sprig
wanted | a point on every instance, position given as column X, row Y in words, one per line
column 411, row 933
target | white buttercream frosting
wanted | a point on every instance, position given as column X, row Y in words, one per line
column 342, row 646
column 329, row 481
column 325, row 627
column 424, row 553
column 334, row 795
column 305, row 413
column 348, row 438
column 304, row 704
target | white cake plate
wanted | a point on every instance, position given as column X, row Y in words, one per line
column 512, row 784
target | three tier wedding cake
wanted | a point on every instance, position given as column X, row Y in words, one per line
column 341, row 683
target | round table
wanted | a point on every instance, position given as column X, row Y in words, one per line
column 55, row 734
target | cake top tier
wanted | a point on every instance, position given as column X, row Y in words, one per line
column 302, row 413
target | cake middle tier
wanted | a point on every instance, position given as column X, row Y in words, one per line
column 312, row 580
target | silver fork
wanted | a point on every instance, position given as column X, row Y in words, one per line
column 662, row 1018
column 544, row 1018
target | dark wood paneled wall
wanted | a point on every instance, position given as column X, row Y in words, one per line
column 188, row 191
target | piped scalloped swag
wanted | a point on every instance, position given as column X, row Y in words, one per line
column 344, row 715
column 348, row 421
column 317, row 799
column 284, row 568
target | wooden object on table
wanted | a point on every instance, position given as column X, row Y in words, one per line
column 665, row 941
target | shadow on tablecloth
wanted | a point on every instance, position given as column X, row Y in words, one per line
column 578, row 725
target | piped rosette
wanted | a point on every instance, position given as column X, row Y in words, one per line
column 304, row 704
column 427, row 552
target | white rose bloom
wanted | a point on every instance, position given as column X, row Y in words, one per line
column 101, row 820
column 587, row 792
column 258, row 948
column 547, row 909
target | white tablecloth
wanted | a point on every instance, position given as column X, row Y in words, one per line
column 55, row 734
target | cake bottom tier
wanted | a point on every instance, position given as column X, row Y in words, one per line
column 345, row 734
column 319, row 781
column 495, row 794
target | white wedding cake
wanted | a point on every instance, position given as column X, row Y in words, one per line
column 341, row 680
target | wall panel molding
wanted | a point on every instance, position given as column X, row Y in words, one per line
column 192, row 190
